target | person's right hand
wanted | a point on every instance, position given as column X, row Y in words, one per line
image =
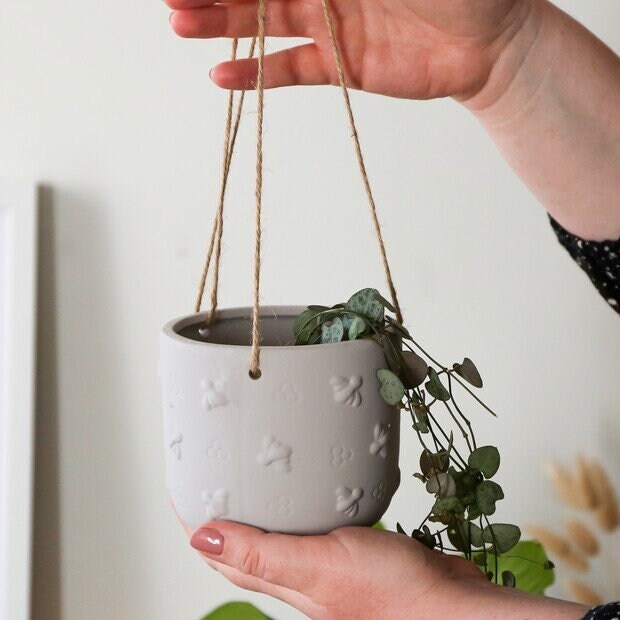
column 415, row 49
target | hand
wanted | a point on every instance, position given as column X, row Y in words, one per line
column 416, row 49
column 363, row 573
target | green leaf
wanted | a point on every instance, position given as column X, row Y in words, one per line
column 469, row 372
column 508, row 579
column 356, row 328
column 465, row 535
column 473, row 512
column 365, row 302
column 425, row 537
column 442, row 485
column 435, row 387
column 431, row 463
column 305, row 325
column 503, row 536
column 237, row 611
column 415, row 369
column 378, row 526
column 527, row 563
column 448, row 504
column 486, row 459
column 487, row 494
column 391, row 344
column 392, row 388
column 421, row 416
column 332, row 331
column 475, row 534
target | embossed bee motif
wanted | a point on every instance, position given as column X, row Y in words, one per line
column 216, row 504
column 275, row 455
column 382, row 436
column 213, row 394
column 347, row 391
column 378, row 492
column 348, row 500
column 341, row 456
column 176, row 440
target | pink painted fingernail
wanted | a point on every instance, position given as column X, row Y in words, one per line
column 208, row 541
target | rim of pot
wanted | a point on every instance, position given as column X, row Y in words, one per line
column 172, row 328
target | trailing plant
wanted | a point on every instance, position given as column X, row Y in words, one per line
column 460, row 475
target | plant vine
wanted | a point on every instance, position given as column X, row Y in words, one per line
column 459, row 477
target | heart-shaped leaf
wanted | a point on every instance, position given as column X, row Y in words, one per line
column 415, row 369
column 465, row 535
column 448, row 504
column 487, row 494
column 305, row 325
column 503, row 536
column 486, row 459
column 365, row 302
column 469, row 372
column 442, row 485
column 391, row 344
column 356, row 328
column 392, row 388
column 332, row 331
column 435, row 387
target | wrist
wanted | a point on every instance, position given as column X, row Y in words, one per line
column 523, row 59
column 511, row 604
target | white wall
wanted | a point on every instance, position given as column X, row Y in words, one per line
column 116, row 117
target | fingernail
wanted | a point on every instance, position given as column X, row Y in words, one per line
column 208, row 541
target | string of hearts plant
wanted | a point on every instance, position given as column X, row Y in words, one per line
column 459, row 477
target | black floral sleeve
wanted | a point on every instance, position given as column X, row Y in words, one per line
column 599, row 259
column 604, row 612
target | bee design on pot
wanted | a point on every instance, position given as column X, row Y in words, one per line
column 275, row 454
column 216, row 504
column 382, row 436
column 348, row 500
column 347, row 391
column 176, row 439
column 213, row 394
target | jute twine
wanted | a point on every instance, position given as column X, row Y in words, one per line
column 230, row 136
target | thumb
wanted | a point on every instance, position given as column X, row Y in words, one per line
column 294, row 562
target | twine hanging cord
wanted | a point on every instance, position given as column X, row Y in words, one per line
column 229, row 143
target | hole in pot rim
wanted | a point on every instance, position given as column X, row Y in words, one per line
column 233, row 327
column 255, row 375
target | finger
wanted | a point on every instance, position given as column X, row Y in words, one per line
column 239, row 19
column 183, row 5
column 297, row 66
column 293, row 562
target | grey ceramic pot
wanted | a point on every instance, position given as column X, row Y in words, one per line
column 309, row 447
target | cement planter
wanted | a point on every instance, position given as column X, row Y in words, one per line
column 309, row 447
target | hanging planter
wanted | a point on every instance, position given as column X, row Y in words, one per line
column 257, row 430
column 308, row 447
